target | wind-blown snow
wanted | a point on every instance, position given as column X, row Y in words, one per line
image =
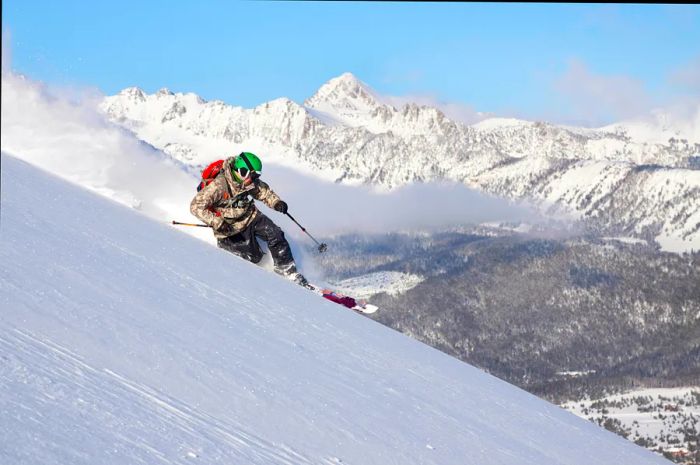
column 125, row 341
column 71, row 138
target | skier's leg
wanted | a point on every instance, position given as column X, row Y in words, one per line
column 243, row 244
column 281, row 253
column 265, row 229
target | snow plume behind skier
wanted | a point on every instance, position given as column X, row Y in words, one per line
column 227, row 204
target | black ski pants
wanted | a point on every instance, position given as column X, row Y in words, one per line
column 245, row 243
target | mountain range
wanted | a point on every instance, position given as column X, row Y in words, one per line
column 639, row 179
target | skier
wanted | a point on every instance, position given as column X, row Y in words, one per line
column 226, row 205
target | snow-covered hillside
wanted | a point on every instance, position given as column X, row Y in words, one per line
column 659, row 419
column 391, row 282
column 634, row 178
column 125, row 341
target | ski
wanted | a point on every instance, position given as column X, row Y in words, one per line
column 360, row 306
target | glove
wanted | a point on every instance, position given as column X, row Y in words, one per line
column 221, row 226
column 281, row 206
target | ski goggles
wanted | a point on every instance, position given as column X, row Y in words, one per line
column 245, row 172
column 246, row 175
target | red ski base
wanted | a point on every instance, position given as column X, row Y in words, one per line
column 346, row 301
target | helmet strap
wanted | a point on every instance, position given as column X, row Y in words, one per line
column 244, row 157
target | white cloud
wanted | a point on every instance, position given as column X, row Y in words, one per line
column 330, row 208
column 326, row 208
column 599, row 99
column 688, row 76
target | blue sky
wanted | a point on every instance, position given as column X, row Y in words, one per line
column 580, row 63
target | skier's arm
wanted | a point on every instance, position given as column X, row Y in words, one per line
column 265, row 194
column 202, row 203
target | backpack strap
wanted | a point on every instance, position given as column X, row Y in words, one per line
column 239, row 200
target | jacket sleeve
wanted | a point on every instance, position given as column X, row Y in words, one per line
column 265, row 194
column 202, row 202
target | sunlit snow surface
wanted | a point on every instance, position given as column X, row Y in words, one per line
column 123, row 341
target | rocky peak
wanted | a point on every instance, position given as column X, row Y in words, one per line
column 133, row 93
column 344, row 95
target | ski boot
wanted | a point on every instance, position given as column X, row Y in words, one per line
column 300, row 280
column 290, row 272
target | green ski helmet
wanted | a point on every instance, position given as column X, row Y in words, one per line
column 246, row 166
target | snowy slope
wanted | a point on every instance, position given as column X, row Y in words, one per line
column 348, row 133
column 160, row 348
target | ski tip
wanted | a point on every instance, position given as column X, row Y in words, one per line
column 367, row 308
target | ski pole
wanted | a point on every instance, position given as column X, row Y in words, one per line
column 322, row 247
column 192, row 224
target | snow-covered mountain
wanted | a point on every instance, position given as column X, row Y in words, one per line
column 125, row 341
column 622, row 179
column 680, row 121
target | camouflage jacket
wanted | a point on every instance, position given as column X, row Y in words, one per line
column 227, row 206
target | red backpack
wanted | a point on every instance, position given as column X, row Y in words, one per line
column 210, row 173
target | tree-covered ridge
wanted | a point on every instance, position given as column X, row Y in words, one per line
column 532, row 310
